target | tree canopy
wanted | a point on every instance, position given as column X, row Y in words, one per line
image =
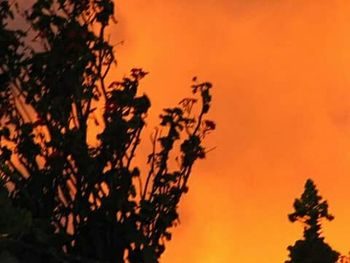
column 64, row 199
column 310, row 210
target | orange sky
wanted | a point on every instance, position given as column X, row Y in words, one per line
column 281, row 71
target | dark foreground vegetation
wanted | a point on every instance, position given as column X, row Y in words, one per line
column 62, row 198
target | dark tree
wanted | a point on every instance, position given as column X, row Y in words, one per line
column 310, row 209
column 66, row 196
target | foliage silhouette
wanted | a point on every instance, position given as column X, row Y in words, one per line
column 343, row 259
column 310, row 209
column 65, row 199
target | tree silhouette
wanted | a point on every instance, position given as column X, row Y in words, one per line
column 310, row 209
column 67, row 199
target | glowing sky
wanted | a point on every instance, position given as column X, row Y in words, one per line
column 281, row 71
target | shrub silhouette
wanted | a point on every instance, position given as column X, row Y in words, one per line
column 67, row 200
column 310, row 209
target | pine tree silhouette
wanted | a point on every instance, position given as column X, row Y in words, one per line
column 310, row 209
